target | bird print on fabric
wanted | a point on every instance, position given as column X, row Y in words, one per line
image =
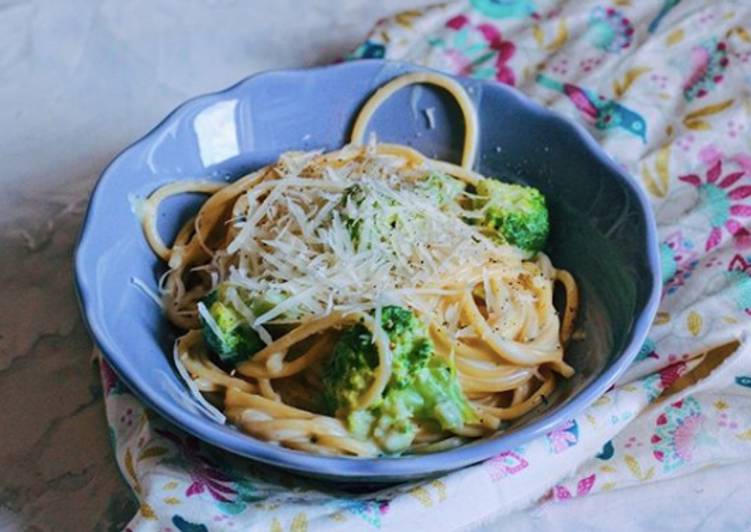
column 601, row 112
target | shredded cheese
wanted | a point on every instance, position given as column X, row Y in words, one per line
column 309, row 234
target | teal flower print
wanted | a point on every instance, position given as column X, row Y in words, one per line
column 647, row 351
column 679, row 433
column 369, row 510
column 504, row 8
column 667, row 262
column 477, row 51
column 609, row 30
column 679, row 259
column 720, row 203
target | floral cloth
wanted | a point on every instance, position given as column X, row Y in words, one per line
column 664, row 86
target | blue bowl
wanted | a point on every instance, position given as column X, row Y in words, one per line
column 602, row 231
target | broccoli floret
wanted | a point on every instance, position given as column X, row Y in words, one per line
column 422, row 386
column 355, row 357
column 514, row 214
column 230, row 336
column 443, row 398
column 433, row 395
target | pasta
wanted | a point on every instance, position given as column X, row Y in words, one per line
column 318, row 244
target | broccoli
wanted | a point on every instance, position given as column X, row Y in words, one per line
column 230, row 335
column 422, row 386
column 514, row 214
column 442, row 395
column 355, row 357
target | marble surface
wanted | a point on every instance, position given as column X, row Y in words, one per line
column 81, row 79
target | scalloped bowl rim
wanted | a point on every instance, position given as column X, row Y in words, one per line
column 383, row 468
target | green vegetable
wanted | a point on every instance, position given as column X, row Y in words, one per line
column 355, row 356
column 422, row 386
column 514, row 214
column 233, row 340
column 443, row 397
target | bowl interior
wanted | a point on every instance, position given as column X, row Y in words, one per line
column 601, row 232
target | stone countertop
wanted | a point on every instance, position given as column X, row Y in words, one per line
column 79, row 80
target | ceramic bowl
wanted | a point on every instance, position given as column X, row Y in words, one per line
column 602, row 231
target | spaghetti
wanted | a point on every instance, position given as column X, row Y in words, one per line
column 335, row 239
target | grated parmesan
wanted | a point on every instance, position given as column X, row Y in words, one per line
column 295, row 238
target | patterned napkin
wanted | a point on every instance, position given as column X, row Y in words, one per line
column 664, row 86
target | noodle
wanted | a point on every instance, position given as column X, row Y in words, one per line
column 489, row 310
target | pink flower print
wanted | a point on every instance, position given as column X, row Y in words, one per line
column 684, row 437
column 679, row 431
column 721, row 204
column 707, row 64
column 207, row 476
column 110, row 381
column 563, row 437
column 505, row 464
column 739, row 282
column 477, row 51
column 583, row 487
column 671, row 373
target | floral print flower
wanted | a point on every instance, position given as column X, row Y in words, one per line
column 609, row 30
column 679, row 433
column 720, row 203
column 478, row 51
column 707, row 63
column 647, row 351
column 505, row 464
column 563, row 437
column 583, row 487
column 739, row 282
column 208, row 477
column 110, row 381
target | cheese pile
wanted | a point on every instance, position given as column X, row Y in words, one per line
column 296, row 237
